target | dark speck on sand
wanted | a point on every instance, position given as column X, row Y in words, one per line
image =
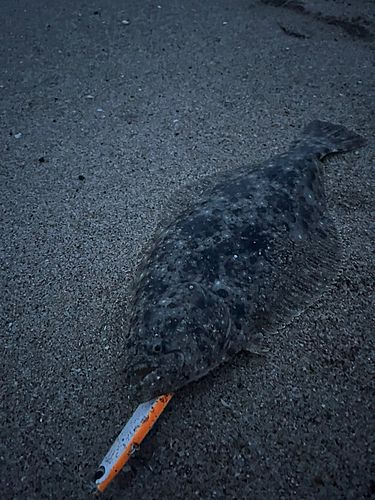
column 296, row 423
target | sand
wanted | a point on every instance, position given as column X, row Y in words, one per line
column 102, row 121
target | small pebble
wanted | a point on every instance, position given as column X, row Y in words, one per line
column 125, row 21
column 225, row 404
column 18, row 135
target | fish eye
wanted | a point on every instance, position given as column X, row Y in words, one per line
column 156, row 345
column 157, row 348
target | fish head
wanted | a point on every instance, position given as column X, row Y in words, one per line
column 175, row 339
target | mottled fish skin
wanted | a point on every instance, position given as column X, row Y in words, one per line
column 252, row 253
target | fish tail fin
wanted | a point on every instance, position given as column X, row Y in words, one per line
column 325, row 138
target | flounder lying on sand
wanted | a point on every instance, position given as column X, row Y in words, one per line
column 253, row 252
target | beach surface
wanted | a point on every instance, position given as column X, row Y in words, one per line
column 107, row 109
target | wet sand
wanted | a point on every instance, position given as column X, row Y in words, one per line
column 102, row 121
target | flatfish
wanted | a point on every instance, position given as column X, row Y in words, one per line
column 252, row 252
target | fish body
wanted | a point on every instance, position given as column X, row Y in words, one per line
column 249, row 255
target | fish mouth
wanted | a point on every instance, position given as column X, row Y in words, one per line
column 140, row 372
column 146, row 379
